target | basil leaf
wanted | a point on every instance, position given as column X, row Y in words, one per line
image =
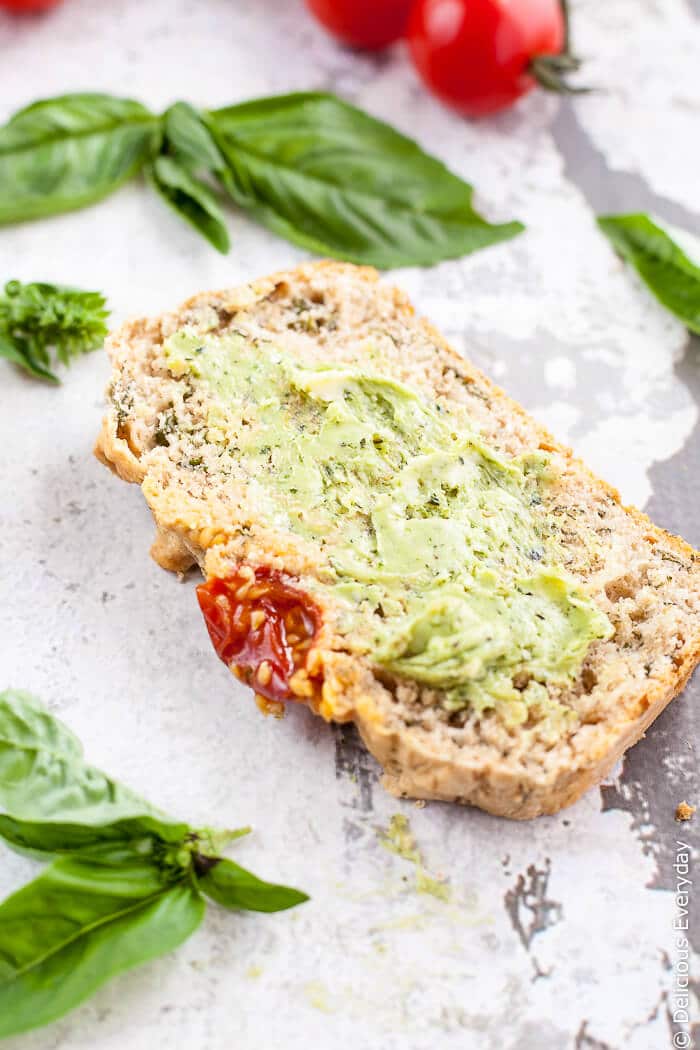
column 77, row 925
column 336, row 181
column 66, row 152
column 22, row 354
column 51, row 800
column 188, row 138
column 234, row 887
column 191, row 199
column 665, row 269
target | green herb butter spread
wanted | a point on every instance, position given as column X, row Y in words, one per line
column 445, row 565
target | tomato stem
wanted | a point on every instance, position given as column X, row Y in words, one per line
column 550, row 71
column 566, row 16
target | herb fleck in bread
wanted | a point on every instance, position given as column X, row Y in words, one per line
column 458, row 685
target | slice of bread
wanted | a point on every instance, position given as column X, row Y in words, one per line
column 159, row 431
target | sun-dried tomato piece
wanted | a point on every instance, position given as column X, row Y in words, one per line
column 262, row 627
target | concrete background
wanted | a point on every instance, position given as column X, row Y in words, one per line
column 557, row 934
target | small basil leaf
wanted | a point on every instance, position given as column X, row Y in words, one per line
column 67, row 152
column 665, row 269
column 20, row 352
column 77, row 925
column 51, row 800
column 188, row 138
column 234, row 887
column 191, row 199
column 334, row 180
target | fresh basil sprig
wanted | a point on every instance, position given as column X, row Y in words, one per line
column 314, row 169
column 123, row 884
column 38, row 318
column 665, row 269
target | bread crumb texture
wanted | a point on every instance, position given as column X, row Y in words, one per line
column 162, row 430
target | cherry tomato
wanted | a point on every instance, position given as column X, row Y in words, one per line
column 20, row 7
column 478, row 55
column 370, row 24
column 262, row 627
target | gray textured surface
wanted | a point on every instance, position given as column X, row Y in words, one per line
column 558, row 934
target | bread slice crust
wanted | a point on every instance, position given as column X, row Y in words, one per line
column 646, row 580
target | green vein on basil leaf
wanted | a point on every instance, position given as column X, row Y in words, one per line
column 334, row 180
column 665, row 269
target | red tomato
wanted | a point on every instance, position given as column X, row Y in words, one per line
column 262, row 627
column 370, row 24
column 27, row 6
column 477, row 55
